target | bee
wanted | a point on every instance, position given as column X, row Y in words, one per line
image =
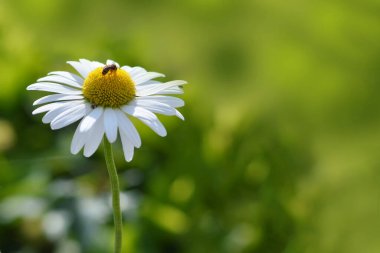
column 107, row 68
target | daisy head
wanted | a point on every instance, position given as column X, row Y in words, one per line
column 103, row 97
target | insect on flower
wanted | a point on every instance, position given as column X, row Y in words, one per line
column 105, row 103
column 107, row 68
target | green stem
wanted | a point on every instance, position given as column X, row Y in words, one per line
column 115, row 193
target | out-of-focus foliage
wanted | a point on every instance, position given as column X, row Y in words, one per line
column 279, row 151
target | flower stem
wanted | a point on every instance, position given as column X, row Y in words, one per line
column 115, row 193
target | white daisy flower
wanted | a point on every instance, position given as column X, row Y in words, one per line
column 103, row 98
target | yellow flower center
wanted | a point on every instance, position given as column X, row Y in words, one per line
column 108, row 87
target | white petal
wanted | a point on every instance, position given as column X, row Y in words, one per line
column 78, row 140
column 48, row 117
column 110, row 62
column 171, row 90
column 96, row 64
column 80, row 67
column 68, row 75
column 57, row 97
column 147, row 117
column 155, row 82
column 52, row 114
column 47, row 107
column 157, row 107
column 94, row 137
column 135, row 71
column 146, row 77
column 172, row 101
column 128, row 147
column 154, row 89
column 61, row 80
column 54, row 87
column 126, row 126
column 140, row 74
column 126, row 68
column 69, row 116
column 110, row 124
column 87, row 64
column 179, row 115
column 91, row 118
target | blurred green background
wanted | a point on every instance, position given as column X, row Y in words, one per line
column 279, row 151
